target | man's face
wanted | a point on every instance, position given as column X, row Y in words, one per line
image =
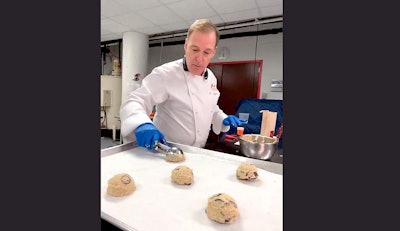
column 199, row 50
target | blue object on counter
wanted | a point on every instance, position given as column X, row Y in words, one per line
column 254, row 106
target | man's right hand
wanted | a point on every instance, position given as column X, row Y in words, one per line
column 147, row 135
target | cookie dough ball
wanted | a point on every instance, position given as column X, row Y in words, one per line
column 175, row 158
column 120, row 185
column 246, row 171
column 222, row 208
column 182, row 175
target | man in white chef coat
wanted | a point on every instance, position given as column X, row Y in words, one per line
column 185, row 94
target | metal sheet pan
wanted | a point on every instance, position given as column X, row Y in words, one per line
column 158, row 204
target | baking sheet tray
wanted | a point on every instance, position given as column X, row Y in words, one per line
column 159, row 204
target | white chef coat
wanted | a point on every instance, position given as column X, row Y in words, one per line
column 186, row 105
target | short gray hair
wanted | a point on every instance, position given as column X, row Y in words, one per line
column 204, row 25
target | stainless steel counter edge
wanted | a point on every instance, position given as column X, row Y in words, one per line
column 117, row 223
column 262, row 164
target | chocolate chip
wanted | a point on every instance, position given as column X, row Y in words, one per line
column 233, row 203
column 125, row 179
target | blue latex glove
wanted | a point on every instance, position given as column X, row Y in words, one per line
column 147, row 135
column 233, row 121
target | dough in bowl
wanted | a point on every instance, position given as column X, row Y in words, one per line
column 182, row 175
column 246, row 171
column 175, row 158
column 121, row 185
column 222, row 208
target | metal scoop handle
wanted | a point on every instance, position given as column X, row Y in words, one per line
column 167, row 149
column 162, row 147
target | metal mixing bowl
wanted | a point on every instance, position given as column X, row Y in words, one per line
column 258, row 146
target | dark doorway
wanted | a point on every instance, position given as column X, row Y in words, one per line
column 237, row 81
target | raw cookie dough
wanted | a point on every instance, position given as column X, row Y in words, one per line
column 246, row 171
column 182, row 175
column 222, row 208
column 121, row 185
column 175, row 158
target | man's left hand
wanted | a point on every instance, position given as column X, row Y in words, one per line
column 232, row 120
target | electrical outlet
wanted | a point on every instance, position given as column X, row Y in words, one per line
column 106, row 98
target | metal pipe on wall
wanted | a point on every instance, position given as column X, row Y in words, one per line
column 234, row 26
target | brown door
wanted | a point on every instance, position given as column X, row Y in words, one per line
column 236, row 81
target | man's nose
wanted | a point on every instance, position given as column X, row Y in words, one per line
column 200, row 56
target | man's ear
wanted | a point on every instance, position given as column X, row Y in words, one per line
column 215, row 51
column 185, row 45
